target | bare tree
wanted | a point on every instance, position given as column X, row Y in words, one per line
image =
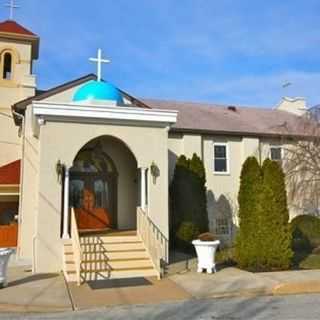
column 301, row 164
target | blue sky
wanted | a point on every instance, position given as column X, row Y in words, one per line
column 227, row 51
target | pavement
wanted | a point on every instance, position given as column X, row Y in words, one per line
column 49, row 293
column 34, row 293
column 228, row 282
column 233, row 282
column 102, row 293
column 293, row 307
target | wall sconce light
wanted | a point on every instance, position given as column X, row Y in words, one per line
column 155, row 171
column 59, row 170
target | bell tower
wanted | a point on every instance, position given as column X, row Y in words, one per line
column 19, row 48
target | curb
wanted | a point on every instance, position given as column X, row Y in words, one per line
column 297, row 288
column 281, row 289
column 15, row 308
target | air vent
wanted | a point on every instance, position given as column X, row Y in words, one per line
column 232, row 108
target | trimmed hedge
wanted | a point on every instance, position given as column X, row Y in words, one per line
column 305, row 232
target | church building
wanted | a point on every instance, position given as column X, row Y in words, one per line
column 85, row 167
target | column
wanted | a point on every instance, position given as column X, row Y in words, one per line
column 143, row 188
column 65, row 233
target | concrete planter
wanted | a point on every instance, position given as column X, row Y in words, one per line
column 4, row 259
column 206, row 251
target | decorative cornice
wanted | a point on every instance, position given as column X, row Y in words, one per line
column 97, row 113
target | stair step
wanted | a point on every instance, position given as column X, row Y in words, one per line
column 71, row 261
column 118, row 255
column 120, row 274
column 95, row 254
column 110, row 239
column 67, row 249
column 112, row 247
column 70, row 268
column 117, row 265
column 109, row 257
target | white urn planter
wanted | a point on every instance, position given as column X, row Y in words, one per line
column 4, row 259
column 206, row 251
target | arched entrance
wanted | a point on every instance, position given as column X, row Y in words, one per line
column 93, row 188
column 103, row 172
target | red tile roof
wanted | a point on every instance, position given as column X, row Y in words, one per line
column 10, row 26
column 10, row 173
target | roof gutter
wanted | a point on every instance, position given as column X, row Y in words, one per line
column 237, row 133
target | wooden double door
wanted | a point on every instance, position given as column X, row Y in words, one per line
column 94, row 199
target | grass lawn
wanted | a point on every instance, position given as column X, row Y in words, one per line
column 304, row 260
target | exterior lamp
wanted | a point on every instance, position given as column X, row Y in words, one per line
column 59, row 169
column 155, row 171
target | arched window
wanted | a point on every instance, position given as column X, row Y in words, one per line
column 93, row 160
column 7, row 66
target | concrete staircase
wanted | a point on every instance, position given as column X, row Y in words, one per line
column 114, row 255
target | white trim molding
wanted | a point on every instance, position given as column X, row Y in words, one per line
column 98, row 113
column 226, row 145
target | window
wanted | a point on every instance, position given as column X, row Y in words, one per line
column 276, row 153
column 222, row 226
column 7, row 66
column 221, row 164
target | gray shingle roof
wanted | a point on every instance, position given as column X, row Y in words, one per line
column 222, row 119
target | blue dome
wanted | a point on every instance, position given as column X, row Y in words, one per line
column 95, row 90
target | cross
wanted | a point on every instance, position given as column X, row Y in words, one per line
column 11, row 5
column 99, row 62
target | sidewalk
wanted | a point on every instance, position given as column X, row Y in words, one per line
column 49, row 292
column 233, row 282
column 34, row 293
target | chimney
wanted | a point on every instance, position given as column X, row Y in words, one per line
column 297, row 106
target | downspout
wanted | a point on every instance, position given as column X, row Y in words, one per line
column 21, row 132
column 260, row 152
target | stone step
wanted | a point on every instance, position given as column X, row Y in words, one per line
column 133, row 254
column 107, row 265
column 113, row 247
column 115, row 265
column 120, row 274
column 109, row 239
column 109, row 257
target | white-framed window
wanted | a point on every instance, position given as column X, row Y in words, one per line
column 222, row 226
column 276, row 153
column 220, row 158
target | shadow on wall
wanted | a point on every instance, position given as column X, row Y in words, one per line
column 222, row 217
column 172, row 157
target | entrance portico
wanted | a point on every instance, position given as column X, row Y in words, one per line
column 133, row 138
column 88, row 161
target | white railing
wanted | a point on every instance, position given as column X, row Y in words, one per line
column 76, row 246
column 154, row 240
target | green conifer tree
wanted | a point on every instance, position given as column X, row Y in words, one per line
column 248, row 199
column 275, row 235
column 188, row 201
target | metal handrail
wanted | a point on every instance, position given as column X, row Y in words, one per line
column 154, row 240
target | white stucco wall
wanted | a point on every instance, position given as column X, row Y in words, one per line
column 62, row 141
column 223, row 188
